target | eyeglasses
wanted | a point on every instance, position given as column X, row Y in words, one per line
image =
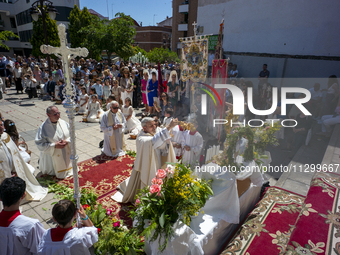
column 57, row 113
column 114, row 108
column 164, row 96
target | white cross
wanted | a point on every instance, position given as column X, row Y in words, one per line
column 195, row 30
column 65, row 53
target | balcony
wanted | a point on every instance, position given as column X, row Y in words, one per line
column 183, row 8
column 182, row 27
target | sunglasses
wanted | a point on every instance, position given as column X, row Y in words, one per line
column 114, row 108
column 57, row 113
column 164, row 96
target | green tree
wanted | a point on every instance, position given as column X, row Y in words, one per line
column 38, row 37
column 5, row 36
column 115, row 36
column 137, row 49
column 162, row 55
column 92, row 35
column 78, row 20
column 119, row 36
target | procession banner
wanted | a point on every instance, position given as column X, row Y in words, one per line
column 220, row 76
column 194, row 59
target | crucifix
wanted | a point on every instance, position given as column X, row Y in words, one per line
column 195, row 29
column 66, row 53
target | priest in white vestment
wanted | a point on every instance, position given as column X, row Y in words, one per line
column 113, row 124
column 53, row 141
column 11, row 162
column 193, row 144
column 154, row 149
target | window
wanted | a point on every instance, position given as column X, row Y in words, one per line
column 26, row 35
column 13, row 24
column 27, row 1
column 24, row 17
column 64, row 13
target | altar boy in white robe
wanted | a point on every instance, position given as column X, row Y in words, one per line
column 18, row 234
column 65, row 239
column 177, row 139
column 193, row 144
column 11, row 162
column 113, row 124
column 154, row 149
column 53, row 141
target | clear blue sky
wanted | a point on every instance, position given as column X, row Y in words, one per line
column 140, row 10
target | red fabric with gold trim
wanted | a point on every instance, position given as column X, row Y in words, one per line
column 267, row 229
column 317, row 230
column 103, row 174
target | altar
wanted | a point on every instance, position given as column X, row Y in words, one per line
column 208, row 232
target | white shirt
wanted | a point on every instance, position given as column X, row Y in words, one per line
column 76, row 241
column 22, row 236
column 315, row 95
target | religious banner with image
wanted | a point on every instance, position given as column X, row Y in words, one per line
column 220, row 76
column 194, row 58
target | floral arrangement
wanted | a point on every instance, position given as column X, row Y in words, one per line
column 175, row 194
column 113, row 236
column 257, row 141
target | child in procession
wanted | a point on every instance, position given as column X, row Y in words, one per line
column 66, row 239
column 18, row 234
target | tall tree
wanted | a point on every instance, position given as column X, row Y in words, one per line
column 119, row 36
column 115, row 36
column 162, row 55
column 5, row 36
column 93, row 35
column 78, row 20
column 38, row 37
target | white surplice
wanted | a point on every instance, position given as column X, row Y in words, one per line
column 22, row 236
column 76, row 241
column 177, row 137
column 152, row 154
column 12, row 161
column 54, row 161
column 108, row 132
column 195, row 142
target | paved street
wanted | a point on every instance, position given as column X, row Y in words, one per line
column 28, row 116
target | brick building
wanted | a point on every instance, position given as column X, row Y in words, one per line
column 184, row 13
column 151, row 37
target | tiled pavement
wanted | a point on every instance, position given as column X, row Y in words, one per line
column 28, row 115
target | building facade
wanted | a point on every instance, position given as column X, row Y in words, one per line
column 184, row 14
column 151, row 37
column 15, row 16
column 295, row 38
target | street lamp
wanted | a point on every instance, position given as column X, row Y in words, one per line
column 40, row 8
